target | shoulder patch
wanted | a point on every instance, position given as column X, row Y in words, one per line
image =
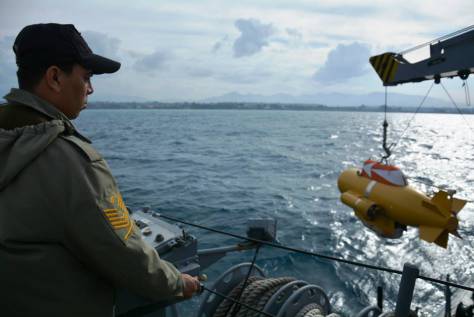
column 117, row 215
column 85, row 147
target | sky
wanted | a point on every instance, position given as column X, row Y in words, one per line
column 193, row 50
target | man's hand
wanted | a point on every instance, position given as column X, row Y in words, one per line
column 191, row 285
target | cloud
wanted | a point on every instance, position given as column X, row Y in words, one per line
column 343, row 63
column 253, row 37
column 294, row 38
column 218, row 45
column 102, row 44
column 152, row 62
column 302, row 33
column 199, row 71
column 294, row 33
column 317, row 44
column 245, row 77
column 7, row 65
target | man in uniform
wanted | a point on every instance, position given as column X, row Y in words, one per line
column 67, row 241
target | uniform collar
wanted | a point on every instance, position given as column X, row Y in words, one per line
column 28, row 99
column 31, row 100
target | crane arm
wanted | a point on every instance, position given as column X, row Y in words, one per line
column 450, row 56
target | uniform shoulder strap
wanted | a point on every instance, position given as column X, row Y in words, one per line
column 86, row 148
column 16, row 116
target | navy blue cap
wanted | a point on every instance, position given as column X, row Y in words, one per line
column 55, row 44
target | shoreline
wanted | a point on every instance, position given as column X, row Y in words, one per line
column 270, row 107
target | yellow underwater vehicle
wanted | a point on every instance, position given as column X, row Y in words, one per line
column 379, row 193
column 383, row 200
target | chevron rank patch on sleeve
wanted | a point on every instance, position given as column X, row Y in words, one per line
column 118, row 216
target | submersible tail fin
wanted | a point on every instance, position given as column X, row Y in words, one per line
column 442, row 240
column 449, row 207
column 443, row 201
column 435, row 235
column 446, row 204
column 457, row 205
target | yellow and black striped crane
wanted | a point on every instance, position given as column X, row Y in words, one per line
column 450, row 56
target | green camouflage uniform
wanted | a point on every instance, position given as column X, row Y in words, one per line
column 66, row 239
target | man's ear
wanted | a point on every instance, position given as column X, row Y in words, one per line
column 53, row 78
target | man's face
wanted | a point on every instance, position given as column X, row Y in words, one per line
column 75, row 88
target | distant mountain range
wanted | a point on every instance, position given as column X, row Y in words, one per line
column 332, row 99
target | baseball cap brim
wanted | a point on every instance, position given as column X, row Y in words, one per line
column 99, row 64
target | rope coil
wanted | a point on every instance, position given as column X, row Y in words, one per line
column 262, row 296
column 256, row 290
column 310, row 310
column 235, row 310
column 236, row 302
column 226, row 305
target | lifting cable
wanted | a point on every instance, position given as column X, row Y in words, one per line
column 444, row 188
column 467, row 92
column 302, row 251
column 457, row 108
column 468, row 103
column 385, row 126
column 412, row 179
column 393, row 145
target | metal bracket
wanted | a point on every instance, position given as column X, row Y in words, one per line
column 207, row 257
column 264, row 229
column 405, row 292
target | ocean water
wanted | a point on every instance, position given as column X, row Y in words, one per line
column 220, row 167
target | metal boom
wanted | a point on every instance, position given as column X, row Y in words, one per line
column 450, row 56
